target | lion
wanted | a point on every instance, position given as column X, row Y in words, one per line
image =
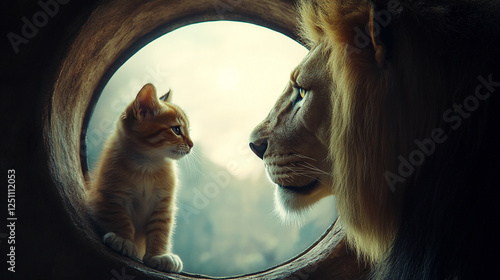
column 395, row 112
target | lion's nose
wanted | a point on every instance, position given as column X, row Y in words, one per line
column 259, row 149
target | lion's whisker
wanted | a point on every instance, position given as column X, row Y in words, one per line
column 313, row 169
column 306, row 157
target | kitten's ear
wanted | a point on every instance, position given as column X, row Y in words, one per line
column 146, row 102
column 167, row 97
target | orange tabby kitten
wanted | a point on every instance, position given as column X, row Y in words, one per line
column 132, row 194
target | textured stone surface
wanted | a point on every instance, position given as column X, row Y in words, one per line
column 48, row 89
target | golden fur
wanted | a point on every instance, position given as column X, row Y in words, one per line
column 380, row 80
column 132, row 194
column 333, row 146
column 360, row 133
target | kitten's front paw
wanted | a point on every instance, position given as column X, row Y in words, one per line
column 168, row 262
column 121, row 245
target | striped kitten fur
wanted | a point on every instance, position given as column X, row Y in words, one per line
column 132, row 189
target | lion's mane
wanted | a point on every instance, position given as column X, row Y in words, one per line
column 414, row 133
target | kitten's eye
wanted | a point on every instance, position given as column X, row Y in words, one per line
column 176, row 130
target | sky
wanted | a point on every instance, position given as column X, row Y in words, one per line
column 226, row 76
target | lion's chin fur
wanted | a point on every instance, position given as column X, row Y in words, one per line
column 289, row 209
column 292, row 208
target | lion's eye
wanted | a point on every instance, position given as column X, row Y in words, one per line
column 300, row 94
column 176, row 130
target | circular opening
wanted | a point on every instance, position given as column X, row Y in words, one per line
column 226, row 76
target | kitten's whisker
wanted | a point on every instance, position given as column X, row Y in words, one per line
column 195, row 159
column 191, row 159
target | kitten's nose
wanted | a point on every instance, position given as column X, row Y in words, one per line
column 259, row 149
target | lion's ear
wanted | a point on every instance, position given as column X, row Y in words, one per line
column 377, row 27
column 378, row 45
column 367, row 32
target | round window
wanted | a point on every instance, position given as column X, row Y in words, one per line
column 226, row 76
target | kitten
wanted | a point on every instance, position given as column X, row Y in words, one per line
column 132, row 195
